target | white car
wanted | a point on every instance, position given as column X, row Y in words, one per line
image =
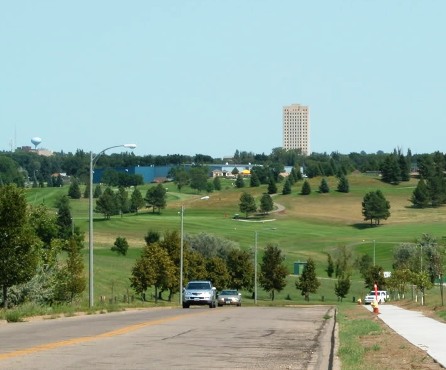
column 380, row 297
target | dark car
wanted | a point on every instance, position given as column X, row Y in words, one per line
column 229, row 297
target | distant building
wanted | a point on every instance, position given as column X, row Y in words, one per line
column 296, row 127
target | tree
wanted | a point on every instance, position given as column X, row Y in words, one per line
column 420, row 197
column 198, row 178
column 217, row 183
column 375, row 207
column 97, row 191
column 330, row 265
column 390, row 170
column 156, row 197
column 323, row 187
column 254, row 181
column 107, row 204
column 152, row 268
column 64, row 219
column 120, row 246
column 266, row 203
column 136, row 201
column 308, row 282
column 181, row 178
column 375, row 275
column 247, row 204
column 239, row 182
column 241, row 269
column 272, row 187
column 342, row 286
column 273, row 271
column 70, row 280
column 364, row 263
column 286, row 187
column 218, row 272
column 18, row 252
column 123, row 201
column 306, row 188
column 343, row 185
column 74, row 191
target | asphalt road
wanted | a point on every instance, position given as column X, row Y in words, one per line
column 196, row 338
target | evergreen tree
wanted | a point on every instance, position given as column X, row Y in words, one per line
column 272, row 187
column 87, row 191
column 306, row 188
column 420, row 196
column 375, row 207
column 120, row 246
column 390, row 170
column 107, row 204
column 273, row 271
column 343, row 185
column 136, row 201
column 247, row 204
column 404, row 165
column 254, row 180
column 97, row 191
column 74, row 191
column 286, row 187
column 308, row 282
column 239, row 183
column 323, row 187
column 123, row 201
column 64, row 219
column 266, row 203
column 217, row 183
column 330, row 265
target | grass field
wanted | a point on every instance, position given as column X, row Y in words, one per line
column 308, row 226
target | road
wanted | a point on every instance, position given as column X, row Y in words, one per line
column 197, row 338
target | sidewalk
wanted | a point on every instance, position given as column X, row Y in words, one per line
column 422, row 331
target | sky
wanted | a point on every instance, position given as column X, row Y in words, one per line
column 212, row 76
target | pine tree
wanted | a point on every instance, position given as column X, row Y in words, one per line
column 120, row 246
column 420, row 196
column 286, row 187
column 306, row 188
column 323, row 187
column 266, row 203
column 343, row 185
column 272, row 187
column 239, row 183
column 136, row 201
column 74, row 191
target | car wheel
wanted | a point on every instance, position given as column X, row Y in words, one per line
column 185, row 305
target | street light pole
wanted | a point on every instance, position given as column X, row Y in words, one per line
column 93, row 160
column 181, row 254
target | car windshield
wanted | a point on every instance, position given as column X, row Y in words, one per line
column 198, row 286
column 228, row 292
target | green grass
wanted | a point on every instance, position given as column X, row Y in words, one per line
column 310, row 226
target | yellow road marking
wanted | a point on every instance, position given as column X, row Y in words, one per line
column 69, row 342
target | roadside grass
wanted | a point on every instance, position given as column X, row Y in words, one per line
column 355, row 323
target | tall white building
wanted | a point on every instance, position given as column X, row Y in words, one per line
column 296, row 127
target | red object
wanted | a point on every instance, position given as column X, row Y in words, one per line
column 376, row 292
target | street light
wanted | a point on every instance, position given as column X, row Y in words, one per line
column 93, row 160
column 255, row 262
column 181, row 254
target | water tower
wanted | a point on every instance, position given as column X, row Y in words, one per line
column 36, row 141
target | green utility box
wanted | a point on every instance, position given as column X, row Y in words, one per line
column 299, row 267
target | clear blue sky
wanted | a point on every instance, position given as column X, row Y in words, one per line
column 212, row 76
